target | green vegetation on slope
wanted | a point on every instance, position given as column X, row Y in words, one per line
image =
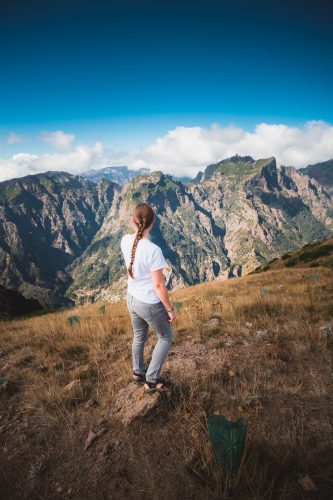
column 319, row 253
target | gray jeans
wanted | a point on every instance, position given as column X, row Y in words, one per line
column 144, row 315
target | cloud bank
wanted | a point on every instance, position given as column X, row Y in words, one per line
column 184, row 150
column 58, row 139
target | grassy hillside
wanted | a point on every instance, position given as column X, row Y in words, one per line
column 312, row 255
column 269, row 357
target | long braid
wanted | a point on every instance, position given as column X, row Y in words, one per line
column 143, row 217
column 138, row 237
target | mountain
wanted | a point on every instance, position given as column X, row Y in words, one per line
column 119, row 175
column 239, row 214
column 46, row 221
column 321, row 172
column 12, row 303
column 60, row 233
column 184, row 179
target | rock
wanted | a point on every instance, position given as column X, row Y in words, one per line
column 262, row 335
column 212, row 323
column 252, row 400
column 91, row 402
column 307, row 483
column 107, row 450
column 248, row 324
column 132, row 402
column 42, row 368
column 92, row 436
column 327, row 330
column 73, row 389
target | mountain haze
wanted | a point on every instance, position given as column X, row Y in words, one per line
column 120, row 175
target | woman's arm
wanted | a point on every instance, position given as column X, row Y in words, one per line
column 162, row 292
column 161, row 289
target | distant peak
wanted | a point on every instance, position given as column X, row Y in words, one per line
column 238, row 159
column 235, row 165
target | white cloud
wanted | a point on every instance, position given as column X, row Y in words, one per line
column 58, row 139
column 76, row 161
column 13, row 138
column 186, row 150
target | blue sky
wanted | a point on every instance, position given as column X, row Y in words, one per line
column 125, row 73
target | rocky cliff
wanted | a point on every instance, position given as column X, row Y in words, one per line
column 60, row 233
column 46, row 221
column 321, row 172
column 236, row 215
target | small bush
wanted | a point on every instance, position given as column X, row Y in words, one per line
column 291, row 263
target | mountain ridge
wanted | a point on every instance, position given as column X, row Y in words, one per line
column 60, row 233
column 236, row 222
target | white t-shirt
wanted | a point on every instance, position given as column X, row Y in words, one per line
column 148, row 257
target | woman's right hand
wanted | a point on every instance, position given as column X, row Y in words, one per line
column 172, row 316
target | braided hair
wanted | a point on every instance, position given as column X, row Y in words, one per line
column 143, row 216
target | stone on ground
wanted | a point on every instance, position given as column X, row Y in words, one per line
column 132, row 402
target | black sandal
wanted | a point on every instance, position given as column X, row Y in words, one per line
column 138, row 378
column 152, row 386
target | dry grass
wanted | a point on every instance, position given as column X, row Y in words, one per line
column 43, row 426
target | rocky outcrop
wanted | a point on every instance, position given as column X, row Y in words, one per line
column 322, row 173
column 46, row 221
column 131, row 403
column 239, row 215
column 60, row 234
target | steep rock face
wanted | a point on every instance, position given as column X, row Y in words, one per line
column 240, row 214
column 46, row 221
column 60, row 234
column 180, row 222
column 322, row 173
column 282, row 210
column 226, row 194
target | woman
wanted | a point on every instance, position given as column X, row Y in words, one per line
column 147, row 299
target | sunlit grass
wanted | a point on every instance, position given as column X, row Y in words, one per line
column 281, row 384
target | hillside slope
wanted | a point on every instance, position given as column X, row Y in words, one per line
column 258, row 346
column 46, row 221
